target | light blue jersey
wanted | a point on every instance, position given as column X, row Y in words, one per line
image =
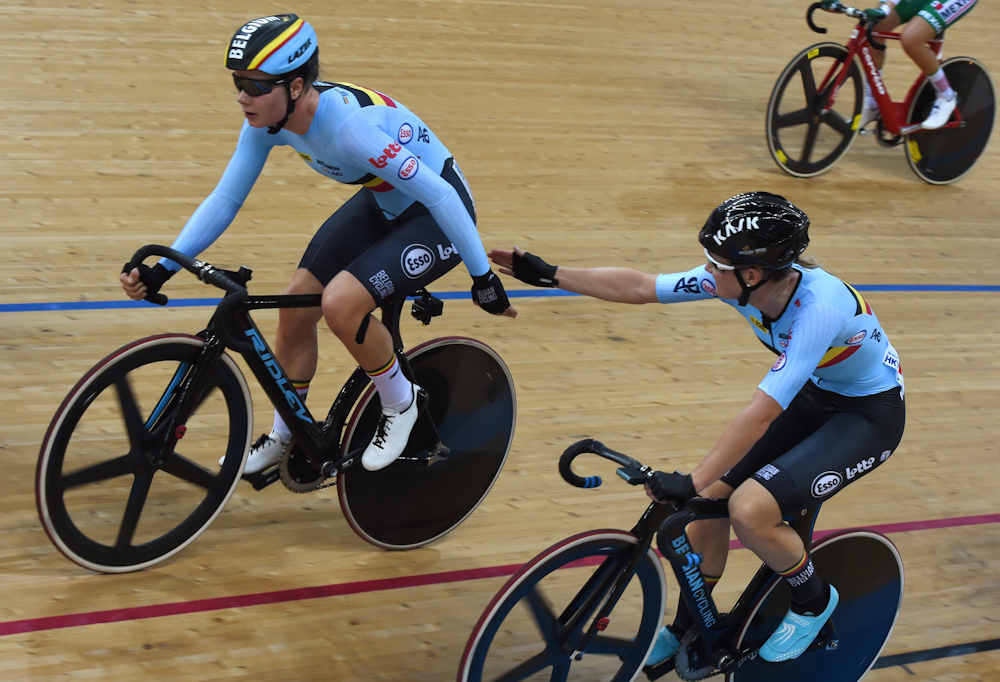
column 828, row 334
column 357, row 137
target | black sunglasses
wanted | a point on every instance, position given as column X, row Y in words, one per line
column 255, row 88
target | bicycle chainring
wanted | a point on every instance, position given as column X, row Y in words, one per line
column 298, row 473
column 691, row 664
column 882, row 136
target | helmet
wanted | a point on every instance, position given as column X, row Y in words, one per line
column 756, row 228
column 277, row 44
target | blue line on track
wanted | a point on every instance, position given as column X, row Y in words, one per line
column 518, row 293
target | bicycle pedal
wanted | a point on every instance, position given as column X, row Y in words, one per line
column 657, row 671
column 264, row 478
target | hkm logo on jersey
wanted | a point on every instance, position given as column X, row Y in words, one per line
column 389, row 152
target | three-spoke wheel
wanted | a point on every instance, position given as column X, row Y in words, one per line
column 109, row 496
column 805, row 140
column 534, row 627
column 944, row 155
column 866, row 569
column 418, row 499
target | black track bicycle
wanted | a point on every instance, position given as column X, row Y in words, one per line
column 129, row 471
column 590, row 607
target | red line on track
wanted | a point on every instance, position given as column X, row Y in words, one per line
column 281, row 596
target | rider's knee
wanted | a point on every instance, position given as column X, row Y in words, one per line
column 343, row 311
column 751, row 507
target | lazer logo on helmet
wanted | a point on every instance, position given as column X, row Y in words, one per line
column 744, row 224
column 301, row 51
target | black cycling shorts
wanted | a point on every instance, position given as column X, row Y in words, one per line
column 391, row 258
column 821, row 444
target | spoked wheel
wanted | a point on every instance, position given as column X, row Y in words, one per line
column 538, row 619
column 804, row 142
column 866, row 569
column 414, row 500
column 103, row 496
column 944, row 155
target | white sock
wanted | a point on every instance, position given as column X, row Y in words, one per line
column 941, row 84
column 394, row 389
column 280, row 428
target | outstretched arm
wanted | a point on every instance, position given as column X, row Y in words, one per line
column 619, row 285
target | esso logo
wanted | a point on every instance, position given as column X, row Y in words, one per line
column 416, row 260
column 826, row 483
column 409, row 168
column 708, row 287
column 405, row 133
column 857, row 338
column 780, row 363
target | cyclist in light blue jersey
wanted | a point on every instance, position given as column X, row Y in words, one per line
column 412, row 221
column 829, row 411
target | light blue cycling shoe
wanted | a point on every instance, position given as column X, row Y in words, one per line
column 796, row 633
column 665, row 647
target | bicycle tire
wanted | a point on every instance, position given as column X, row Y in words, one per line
column 81, row 480
column 832, row 131
column 867, row 571
column 505, row 638
column 945, row 155
column 472, row 401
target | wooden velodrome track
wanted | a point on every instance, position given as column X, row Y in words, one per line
column 592, row 133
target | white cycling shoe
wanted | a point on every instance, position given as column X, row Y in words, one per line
column 940, row 112
column 391, row 435
column 264, row 454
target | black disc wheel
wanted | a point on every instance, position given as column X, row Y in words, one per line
column 108, row 496
column 539, row 618
column 416, row 500
column 944, row 155
column 805, row 141
column 866, row 569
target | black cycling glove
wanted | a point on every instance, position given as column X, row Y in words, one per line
column 153, row 277
column 488, row 292
column 675, row 487
column 532, row 270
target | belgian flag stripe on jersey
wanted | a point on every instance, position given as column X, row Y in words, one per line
column 366, row 97
column 863, row 307
column 837, row 354
column 276, row 44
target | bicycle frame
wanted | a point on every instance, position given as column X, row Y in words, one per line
column 894, row 114
column 719, row 631
column 667, row 522
column 232, row 327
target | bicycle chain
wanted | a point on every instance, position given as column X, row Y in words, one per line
column 289, row 480
column 686, row 642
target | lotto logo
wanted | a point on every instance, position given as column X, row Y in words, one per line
column 416, row 260
column 389, row 152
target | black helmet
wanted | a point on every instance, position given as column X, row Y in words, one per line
column 756, row 228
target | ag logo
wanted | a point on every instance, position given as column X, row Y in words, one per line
column 417, row 259
column 826, row 483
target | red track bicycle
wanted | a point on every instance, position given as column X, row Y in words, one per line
column 812, row 118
